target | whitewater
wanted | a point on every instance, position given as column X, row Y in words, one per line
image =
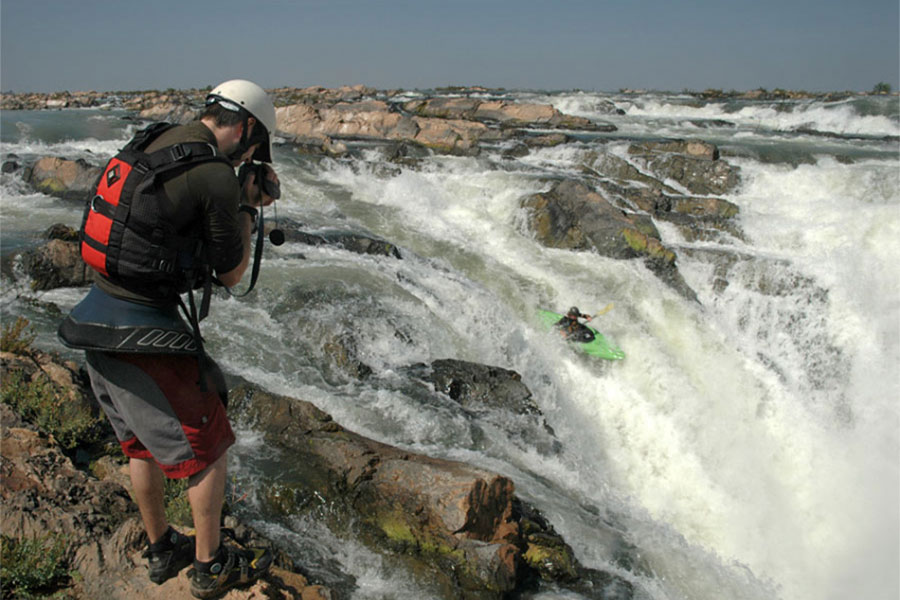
column 748, row 447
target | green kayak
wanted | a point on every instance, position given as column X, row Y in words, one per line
column 588, row 339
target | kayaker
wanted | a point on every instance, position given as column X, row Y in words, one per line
column 569, row 324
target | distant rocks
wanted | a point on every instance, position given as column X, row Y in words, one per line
column 447, row 125
column 609, row 210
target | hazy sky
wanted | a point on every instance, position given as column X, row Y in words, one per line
column 107, row 45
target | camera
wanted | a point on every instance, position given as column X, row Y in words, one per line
column 269, row 188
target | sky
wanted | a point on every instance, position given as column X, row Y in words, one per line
column 599, row 45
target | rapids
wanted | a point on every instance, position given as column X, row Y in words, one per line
column 748, row 445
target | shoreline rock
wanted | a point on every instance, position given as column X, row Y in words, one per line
column 462, row 524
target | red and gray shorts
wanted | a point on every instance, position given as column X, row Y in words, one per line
column 158, row 411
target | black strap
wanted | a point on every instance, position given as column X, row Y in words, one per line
column 257, row 259
column 198, row 339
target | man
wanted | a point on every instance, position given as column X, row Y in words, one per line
column 162, row 394
column 569, row 324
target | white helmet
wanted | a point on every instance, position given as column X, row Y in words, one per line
column 237, row 94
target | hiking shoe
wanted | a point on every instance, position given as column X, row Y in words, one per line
column 173, row 552
column 231, row 567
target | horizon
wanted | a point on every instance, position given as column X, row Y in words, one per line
column 49, row 46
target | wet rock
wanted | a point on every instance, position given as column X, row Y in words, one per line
column 66, row 179
column 462, row 523
column 474, row 385
column 359, row 243
column 571, row 215
column 58, row 262
column 693, row 148
column 693, row 164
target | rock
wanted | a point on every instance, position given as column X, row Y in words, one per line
column 605, row 165
column 9, row 166
column 474, row 385
column 692, row 148
column 359, row 243
column 57, row 263
column 461, row 522
column 507, row 114
column 572, row 216
column 169, row 111
column 693, row 164
column 43, row 492
column 66, row 179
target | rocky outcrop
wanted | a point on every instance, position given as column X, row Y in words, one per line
column 464, row 524
column 373, row 120
column 477, row 386
column 66, row 179
column 692, row 164
column 45, row 494
column 571, row 215
column 57, row 263
column 507, row 114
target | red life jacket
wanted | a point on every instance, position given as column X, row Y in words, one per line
column 124, row 234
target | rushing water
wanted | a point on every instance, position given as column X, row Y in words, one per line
column 748, row 445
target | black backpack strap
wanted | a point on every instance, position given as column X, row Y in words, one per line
column 146, row 135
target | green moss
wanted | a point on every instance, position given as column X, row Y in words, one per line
column 51, row 186
column 649, row 246
column 552, row 562
column 397, row 530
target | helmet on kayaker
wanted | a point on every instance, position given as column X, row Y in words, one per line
column 574, row 312
column 240, row 95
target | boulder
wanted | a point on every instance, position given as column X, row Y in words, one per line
column 572, row 216
column 66, row 179
column 58, row 262
column 477, row 386
column 358, row 242
column 693, row 164
column 462, row 523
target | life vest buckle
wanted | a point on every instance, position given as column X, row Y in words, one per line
column 179, row 152
column 166, row 266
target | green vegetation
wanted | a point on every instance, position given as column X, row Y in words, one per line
column 178, row 509
column 38, row 400
column 14, row 337
column 33, row 568
column 882, row 88
column 41, row 402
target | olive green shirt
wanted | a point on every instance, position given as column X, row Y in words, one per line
column 207, row 194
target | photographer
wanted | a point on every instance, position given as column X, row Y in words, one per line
column 153, row 240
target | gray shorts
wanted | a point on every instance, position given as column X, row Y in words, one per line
column 157, row 410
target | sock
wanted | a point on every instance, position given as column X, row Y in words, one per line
column 204, row 567
column 166, row 542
